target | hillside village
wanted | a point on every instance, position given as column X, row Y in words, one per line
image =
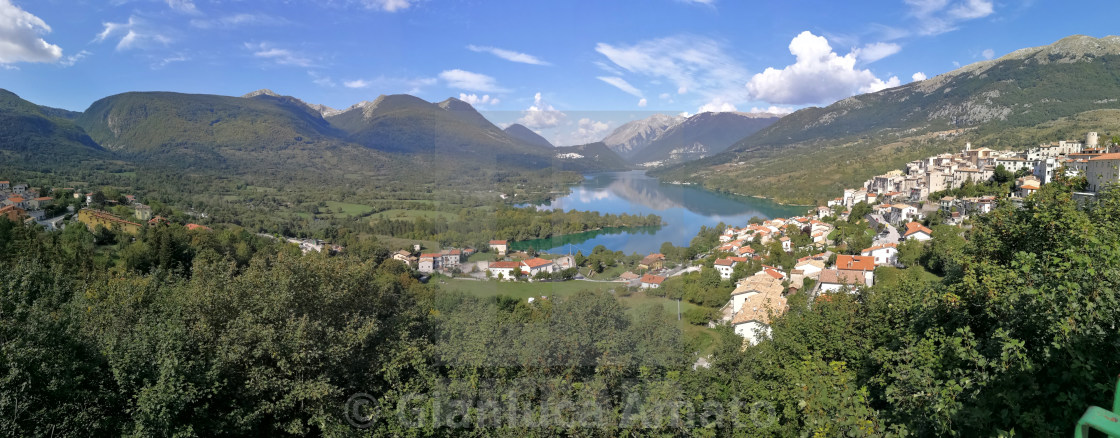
column 899, row 201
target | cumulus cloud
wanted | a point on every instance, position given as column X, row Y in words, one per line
column 589, row 131
column 919, row 76
column 357, row 83
column 134, row 34
column 876, row 51
column 470, row 81
column 621, row 84
column 279, row 56
column 988, row 53
column 690, row 63
column 819, row 75
column 716, row 106
column 940, row 16
column 508, row 55
column 772, row 109
column 20, row 37
column 387, row 5
column 476, row 100
column 642, row 103
column 541, row 115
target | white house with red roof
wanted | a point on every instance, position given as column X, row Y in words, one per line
column 536, row 266
column 499, row 246
column 650, row 281
column 860, row 264
column 725, row 267
column 504, row 270
column 884, row 254
column 917, row 231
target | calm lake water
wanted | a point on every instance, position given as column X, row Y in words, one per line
column 683, row 209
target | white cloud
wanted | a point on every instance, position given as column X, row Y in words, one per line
column 20, row 39
column 541, row 115
column 690, row 63
column 970, row 9
column 384, row 84
column 642, row 103
column 470, row 81
column 237, row 20
column 919, row 76
column 476, row 100
column 592, row 129
column 357, row 83
column 508, row 55
column 137, row 34
column 818, row 76
column 163, row 62
column 320, row 80
column 879, row 85
column 621, row 84
column 664, row 96
column 772, row 109
column 876, row 51
column 387, row 5
column 940, row 16
column 699, row 2
column 69, row 61
column 716, row 106
column 278, row 55
column 184, row 6
column 988, row 53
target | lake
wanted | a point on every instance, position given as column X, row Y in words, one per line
column 683, row 209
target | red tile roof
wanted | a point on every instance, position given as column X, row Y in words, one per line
column 652, row 279
column 724, row 262
column 497, row 242
column 1106, row 157
column 915, row 227
column 876, row 247
column 835, row 276
column 504, row 265
column 855, row 263
column 537, row 262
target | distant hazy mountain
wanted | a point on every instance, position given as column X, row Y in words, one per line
column 629, row 139
column 451, row 130
column 702, row 135
column 597, row 156
column 812, row 153
column 30, row 130
column 526, row 135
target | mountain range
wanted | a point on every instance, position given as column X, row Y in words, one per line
column 812, row 154
column 662, row 139
column 267, row 131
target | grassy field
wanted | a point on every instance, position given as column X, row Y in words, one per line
column 395, row 243
column 522, row 290
column 342, row 208
column 890, row 277
column 412, row 214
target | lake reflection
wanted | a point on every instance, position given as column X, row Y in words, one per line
column 683, row 209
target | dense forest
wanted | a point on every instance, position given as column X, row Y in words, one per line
column 192, row 333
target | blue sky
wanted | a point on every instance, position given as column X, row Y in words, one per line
column 572, row 70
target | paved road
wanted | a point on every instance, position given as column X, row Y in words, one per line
column 892, row 236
